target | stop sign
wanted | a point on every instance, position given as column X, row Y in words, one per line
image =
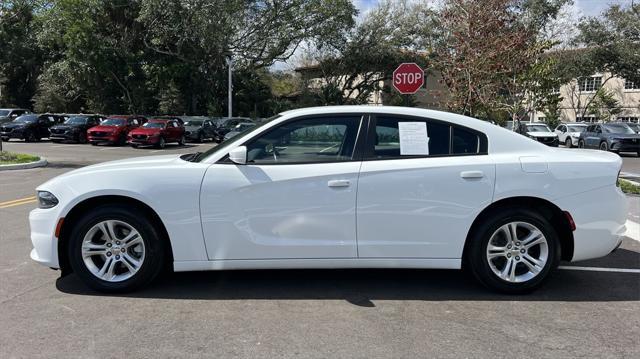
column 408, row 78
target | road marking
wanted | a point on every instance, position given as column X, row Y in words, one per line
column 18, row 202
column 633, row 230
column 601, row 269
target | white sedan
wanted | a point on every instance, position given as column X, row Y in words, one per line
column 338, row 187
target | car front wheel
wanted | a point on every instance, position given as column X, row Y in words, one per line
column 115, row 249
column 568, row 143
column 604, row 146
column 513, row 251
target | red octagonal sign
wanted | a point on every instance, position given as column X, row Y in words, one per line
column 408, row 78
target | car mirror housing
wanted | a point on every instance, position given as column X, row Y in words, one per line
column 238, row 155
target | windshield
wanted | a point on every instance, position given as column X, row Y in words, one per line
column 79, row 120
column 4, row 112
column 538, row 128
column 153, row 125
column 621, row 129
column 634, row 126
column 244, row 126
column 195, row 123
column 577, row 128
column 27, row 118
column 114, row 122
column 226, row 143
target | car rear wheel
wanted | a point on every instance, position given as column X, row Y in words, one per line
column 82, row 137
column 581, row 144
column 29, row 136
column 114, row 249
column 513, row 251
column 567, row 143
column 182, row 140
column 604, row 146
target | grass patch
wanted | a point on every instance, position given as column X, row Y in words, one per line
column 629, row 187
column 10, row 158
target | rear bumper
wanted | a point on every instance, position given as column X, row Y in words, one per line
column 600, row 216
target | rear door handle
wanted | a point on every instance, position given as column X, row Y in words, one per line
column 471, row 174
column 339, row 183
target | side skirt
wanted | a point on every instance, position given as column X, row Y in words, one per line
column 333, row 263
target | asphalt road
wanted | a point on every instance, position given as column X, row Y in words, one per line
column 592, row 312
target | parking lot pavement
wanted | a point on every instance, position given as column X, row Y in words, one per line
column 592, row 312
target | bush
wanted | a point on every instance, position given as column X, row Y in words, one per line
column 7, row 158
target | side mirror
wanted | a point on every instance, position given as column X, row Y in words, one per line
column 238, row 155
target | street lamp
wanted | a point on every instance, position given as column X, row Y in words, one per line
column 229, row 61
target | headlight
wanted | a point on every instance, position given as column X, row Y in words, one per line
column 46, row 199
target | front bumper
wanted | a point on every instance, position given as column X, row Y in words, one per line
column 12, row 134
column 625, row 146
column 42, row 223
column 103, row 139
column 144, row 141
column 67, row 136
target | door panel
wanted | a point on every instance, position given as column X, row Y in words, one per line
column 279, row 211
column 422, row 207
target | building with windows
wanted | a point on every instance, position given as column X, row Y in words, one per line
column 581, row 103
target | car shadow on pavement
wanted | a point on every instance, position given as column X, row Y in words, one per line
column 363, row 287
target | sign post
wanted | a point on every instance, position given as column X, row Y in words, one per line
column 408, row 78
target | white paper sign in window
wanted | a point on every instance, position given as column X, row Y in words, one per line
column 413, row 138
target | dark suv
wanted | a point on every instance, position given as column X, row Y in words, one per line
column 29, row 127
column 10, row 114
column 74, row 128
column 614, row 137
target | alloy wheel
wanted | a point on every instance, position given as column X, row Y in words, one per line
column 113, row 250
column 517, row 252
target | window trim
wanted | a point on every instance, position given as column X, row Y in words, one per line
column 357, row 149
column 369, row 147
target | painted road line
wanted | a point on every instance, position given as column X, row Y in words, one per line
column 601, row 269
column 633, row 230
column 19, row 202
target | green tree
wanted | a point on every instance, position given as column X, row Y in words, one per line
column 605, row 105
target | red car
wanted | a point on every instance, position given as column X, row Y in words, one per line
column 157, row 132
column 114, row 129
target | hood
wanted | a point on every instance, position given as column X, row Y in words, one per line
column 623, row 135
column 66, row 126
column 105, row 128
column 13, row 125
column 123, row 165
column 145, row 131
column 192, row 128
column 542, row 134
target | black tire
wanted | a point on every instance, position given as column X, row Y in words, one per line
column 94, row 143
column 154, row 248
column 122, row 140
column 200, row 138
column 29, row 136
column 182, row 140
column 580, row 144
column 604, row 146
column 568, row 143
column 476, row 252
column 56, row 141
column 161, row 143
column 638, row 153
column 134, row 145
column 82, row 137
column 5, row 139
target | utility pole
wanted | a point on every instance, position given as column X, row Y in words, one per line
column 230, row 86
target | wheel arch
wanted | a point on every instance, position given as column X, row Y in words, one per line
column 550, row 211
column 80, row 208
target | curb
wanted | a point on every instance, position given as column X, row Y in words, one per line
column 23, row 166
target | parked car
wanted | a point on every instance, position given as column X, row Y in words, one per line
column 238, row 129
column 199, row 129
column 157, row 132
column 10, row 114
column 614, row 137
column 539, row 132
column 569, row 133
column 114, row 129
column 74, row 128
column 30, row 127
column 417, row 188
column 227, row 124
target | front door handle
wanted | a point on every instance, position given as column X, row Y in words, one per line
column 339, row 183
column 471, row 174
